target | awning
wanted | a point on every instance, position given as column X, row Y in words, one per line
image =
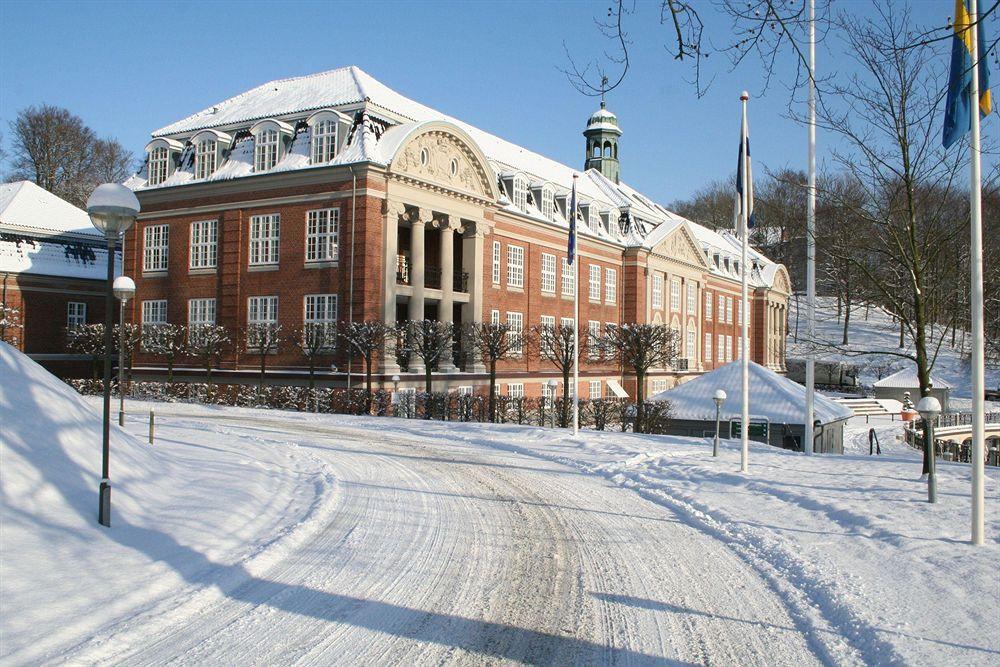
column 617, row 389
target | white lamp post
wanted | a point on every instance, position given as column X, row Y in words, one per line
column 124, row 289
column 929, row 409
column 719, row 397
column 112, row 209
column 553, row 384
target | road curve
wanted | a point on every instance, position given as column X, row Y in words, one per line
column 447, row 552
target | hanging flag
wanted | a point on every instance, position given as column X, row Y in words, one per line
column 743, row 163
column 571, row 247
column 957, row 112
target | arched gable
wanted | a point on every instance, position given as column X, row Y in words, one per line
column 442, row 154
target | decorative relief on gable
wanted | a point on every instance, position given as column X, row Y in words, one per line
column 781, row 282
column 441, row 158
column 679, row 246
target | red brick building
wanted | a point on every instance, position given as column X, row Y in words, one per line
column 53, row 267
column 331, row 197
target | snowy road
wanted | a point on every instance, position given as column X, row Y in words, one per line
column 441, row 552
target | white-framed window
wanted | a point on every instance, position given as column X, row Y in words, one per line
column 547, row 393
column 494, row 317
column 324, row 141
column 720, row 348
column 204, row 244
column 566, row 322
column 158, row 160
column 201, row 313
column 659, row 385
column 515, row 266
column 205, row 157
column 154, row 313
column 548, row 273
column 76, row 314
column 515, row 389
column 596, row 387
column 568, row 278
column 262, row 310
column 692, row 344
column 595, row 283
column 708, row 305
column 722, row 308
column 265, row 150
column 265, row 231
column 320, row 311
column 593, row 218
column 548, row 203
column 729, row 348
column 547, row 337
column 675, row 294
column 156, row 246
column 708, row 347
column 657, row 290
column 323, row 234
column 692, row 298
column 516, row 323
column 594, row 331
column 610, row 285
column 465, row 390
column 521, row 192
column 729, row 310
column 739, row 312
column 496, row 262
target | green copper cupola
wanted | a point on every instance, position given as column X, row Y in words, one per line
column 602, row 143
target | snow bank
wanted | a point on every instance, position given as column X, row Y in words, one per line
column 184, row 513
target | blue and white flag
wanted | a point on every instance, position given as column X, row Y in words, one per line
column 571, row 246
column 744, row 164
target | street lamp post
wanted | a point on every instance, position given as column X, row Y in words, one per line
column 929, row 409
column 112, row 209
column 124, row 289
column 553, row 384
column 719, row 397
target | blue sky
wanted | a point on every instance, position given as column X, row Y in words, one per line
column 129, row 67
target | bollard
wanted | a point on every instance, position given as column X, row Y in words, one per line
column 151, row 419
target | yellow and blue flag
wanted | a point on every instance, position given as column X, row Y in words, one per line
column 958, row 112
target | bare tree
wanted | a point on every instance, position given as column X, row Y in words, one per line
column 88, row 339
column 366, row 339
column 429, row 341
column 494, row 342
column 207, row 342
column 711, row 206
column 315, row 340
column 262, row 339
column 641, row 348
column 557, row 345
column 166, row 340
column 132, row 337
column 55, row 149
column 10, row 325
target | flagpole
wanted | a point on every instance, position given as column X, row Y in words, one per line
column 744, row 357
column 808, row 429
column 576, row 324
column 976, row 262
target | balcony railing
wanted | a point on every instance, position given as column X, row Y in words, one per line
column 432, row 276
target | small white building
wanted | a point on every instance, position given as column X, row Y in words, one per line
column 777, row 409
column 906, row 380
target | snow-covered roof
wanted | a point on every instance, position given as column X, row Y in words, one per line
column 907, row 379
column 58, row 257
column 384, row 118
column 772, row 396
column 25, row 207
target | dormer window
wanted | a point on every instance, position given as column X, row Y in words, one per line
column 548, row 202
column 158, row 158
column 162, row 154
column 265, row 150
column 324, row 141
column 593, row 218
column 521, row 192
column 268, row 147
column 205, row 158
column 716, row 259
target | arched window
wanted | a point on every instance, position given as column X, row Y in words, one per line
column 548, row 202
column 265, row 150
column 324, row 141
column 607, row 149
column 615, row 148
column 521, row 192
column 597, row 150
column 205, row 158
column 158, row 158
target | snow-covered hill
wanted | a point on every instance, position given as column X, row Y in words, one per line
column 875, row 333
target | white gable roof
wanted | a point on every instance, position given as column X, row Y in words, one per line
column 28, row 208
column 780, row 400
column 907, row 379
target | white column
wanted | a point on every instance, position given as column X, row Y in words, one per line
column 417, row 269
column 446, row 308
column 391, row 259
column 472, row 263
